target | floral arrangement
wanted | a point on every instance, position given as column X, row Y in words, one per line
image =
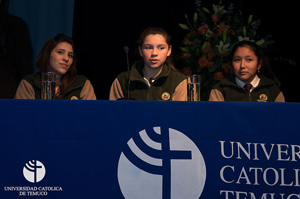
column 212, row 35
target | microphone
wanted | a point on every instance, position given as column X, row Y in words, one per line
column 126, row 49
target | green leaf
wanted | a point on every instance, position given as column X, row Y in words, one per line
column 197, row 52
column 206, row 10
column 268, row 43
column 253, row 23
column 215, row 9
column 245, row 31
column 195, row 18
column 260, row 42
column 184, row 26
column 250, row 19
column 184, row 49
column 204, row 46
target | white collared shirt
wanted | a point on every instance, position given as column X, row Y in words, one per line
column 254, row 82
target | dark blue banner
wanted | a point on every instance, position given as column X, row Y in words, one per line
column 141, row 150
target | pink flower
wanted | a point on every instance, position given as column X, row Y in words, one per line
column 203, row 62
column 208, row 48
column 187, row 71
column 222, row 28
column 210, row 64
column 215, row 18
column 203, row 29
column 186, row 55
column 218, row 76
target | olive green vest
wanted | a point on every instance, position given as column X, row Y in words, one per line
column 266, row 91
column 73, row 92
column 160, row 88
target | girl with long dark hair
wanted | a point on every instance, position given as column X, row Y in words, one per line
column 58, row 56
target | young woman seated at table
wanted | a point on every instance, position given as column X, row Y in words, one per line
column 153, row 78
column 247, row 84
column 57, row 56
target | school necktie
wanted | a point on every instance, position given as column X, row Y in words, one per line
column 248, row 87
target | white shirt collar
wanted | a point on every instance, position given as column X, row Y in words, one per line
column 254, row 82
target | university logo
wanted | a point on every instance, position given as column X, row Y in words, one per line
column 161, row 163
column 34, row 171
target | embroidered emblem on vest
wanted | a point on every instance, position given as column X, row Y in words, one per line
column 74, row 98
column 165, row 96
column 263, row 98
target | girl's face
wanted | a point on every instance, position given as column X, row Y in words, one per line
column 61, row 58
column 154, row 50
column 245, row 64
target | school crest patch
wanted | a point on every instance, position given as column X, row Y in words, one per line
column 165, row 96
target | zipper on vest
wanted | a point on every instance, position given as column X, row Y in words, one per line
column 147, row 82
column 149, row 87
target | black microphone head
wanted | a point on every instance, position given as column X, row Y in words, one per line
column 126, row 49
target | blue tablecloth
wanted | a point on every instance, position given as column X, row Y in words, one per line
column 135, row 149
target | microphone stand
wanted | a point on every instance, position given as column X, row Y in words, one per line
column 126, row 49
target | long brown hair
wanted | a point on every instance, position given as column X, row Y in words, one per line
column 157, row 31
column 43, row 62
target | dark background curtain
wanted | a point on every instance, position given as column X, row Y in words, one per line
column 102, row 28
column 45, row 19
